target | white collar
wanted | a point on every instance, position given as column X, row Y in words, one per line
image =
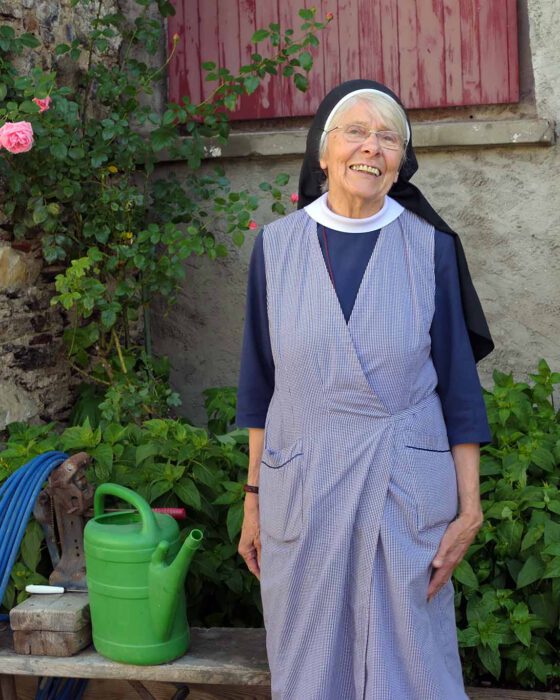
column 319, row 211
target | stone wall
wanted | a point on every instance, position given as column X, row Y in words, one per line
column 34, row 373
column 35, row 378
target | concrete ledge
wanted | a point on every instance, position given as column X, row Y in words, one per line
column 427, row 135
column 514, row 132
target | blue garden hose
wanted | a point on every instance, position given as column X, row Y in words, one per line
column 17, row 499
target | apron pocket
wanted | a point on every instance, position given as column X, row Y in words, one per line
column 281, row 492
column 434, row 478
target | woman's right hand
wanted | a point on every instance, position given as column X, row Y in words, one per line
column 250, row 541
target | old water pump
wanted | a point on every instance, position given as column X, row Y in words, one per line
column 136, row 568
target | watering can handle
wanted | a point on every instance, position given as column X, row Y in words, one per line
column 147, row 517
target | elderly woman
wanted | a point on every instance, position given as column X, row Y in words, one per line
column 359, row 388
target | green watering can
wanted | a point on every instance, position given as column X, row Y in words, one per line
column 136, row 570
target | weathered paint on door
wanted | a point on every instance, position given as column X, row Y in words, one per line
column 433, row 53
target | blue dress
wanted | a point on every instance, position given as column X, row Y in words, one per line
column 349, row 253
column 357, row 481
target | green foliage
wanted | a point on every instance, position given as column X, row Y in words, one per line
column 90, row 190
column 170, row 463
column 509, row 584
column 220, row 404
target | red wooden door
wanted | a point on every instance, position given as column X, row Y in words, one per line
column 433, row 53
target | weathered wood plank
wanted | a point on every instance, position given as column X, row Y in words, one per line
column 408, row 53
column 209, row 41
column 331, row 50
column 494, row 79
column 217, row 656
column 431, row 52
column 232, row 660
column 263, row 103
column 470, row 51
column 498, row 694
column 348, row 38
column 513, row 50
column 229, row 32
column 452, row 40
column 51, row 643
column 191, row 77
column 370, row 40
column 66, row 612
column 247, row 14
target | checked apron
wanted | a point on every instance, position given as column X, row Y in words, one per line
column 357, row 482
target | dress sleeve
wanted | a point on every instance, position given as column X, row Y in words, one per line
column 256, row 376
column 458, row 383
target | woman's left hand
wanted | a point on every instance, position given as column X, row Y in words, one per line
column 452, row 548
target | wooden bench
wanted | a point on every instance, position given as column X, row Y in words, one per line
column 222, row 664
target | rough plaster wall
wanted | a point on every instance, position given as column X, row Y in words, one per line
column 201, row 333
column 504, row 201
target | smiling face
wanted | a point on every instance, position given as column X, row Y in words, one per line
column 359, row 174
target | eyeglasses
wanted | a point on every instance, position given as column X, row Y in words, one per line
column 356, row 133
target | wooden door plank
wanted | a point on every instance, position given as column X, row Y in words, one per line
column 494, row 79
column 370, row 39
column 209, row 41
column 192, row 71
column 348, row 37
column 408, row 53
column 263, row 103
column 470, row 51
column 453, row 60
column 331, row 53
column 176, row 70
column 247, row 105
column 513, row 51
column 390, row 44
column 229, row 36
column 431, row 52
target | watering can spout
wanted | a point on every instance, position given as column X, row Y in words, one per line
column 166, row 582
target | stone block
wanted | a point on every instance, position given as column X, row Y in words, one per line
column 17, row 269
column 33, row 358
column 9, row 8
column 16, row 404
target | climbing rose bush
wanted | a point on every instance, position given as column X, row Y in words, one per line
column 118, row 227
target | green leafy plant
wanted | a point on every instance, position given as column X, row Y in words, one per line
column 509, row 584
column 89, row 188
column 170, row 463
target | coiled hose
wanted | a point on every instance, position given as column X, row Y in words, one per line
column 17, row 498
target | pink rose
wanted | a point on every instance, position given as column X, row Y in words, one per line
column 294, row 198
column 329, row 16
column 253, row 225
column 16, row 137
column 43, row 104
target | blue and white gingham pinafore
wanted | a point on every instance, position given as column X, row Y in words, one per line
column 357, row 483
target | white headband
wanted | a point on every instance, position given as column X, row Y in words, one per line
column 353, row 94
